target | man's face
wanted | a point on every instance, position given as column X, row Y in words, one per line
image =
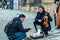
column 40, row 10
column 22, row 19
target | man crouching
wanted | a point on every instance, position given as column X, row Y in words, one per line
column 15, row 30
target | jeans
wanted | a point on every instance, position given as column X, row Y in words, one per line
column 18, row 36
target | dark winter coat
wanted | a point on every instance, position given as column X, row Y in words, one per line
column 17, row 27
column 15, row 19
column 40, row 16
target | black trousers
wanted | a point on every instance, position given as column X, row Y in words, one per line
column 42, row 27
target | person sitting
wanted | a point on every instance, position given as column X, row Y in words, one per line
column 39, row 20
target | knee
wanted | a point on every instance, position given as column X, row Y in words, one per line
column 24, row 35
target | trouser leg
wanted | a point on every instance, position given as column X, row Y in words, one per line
column 45, row 32
column 35, row 25
column 18, row 36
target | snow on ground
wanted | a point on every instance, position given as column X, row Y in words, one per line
column 7, row 15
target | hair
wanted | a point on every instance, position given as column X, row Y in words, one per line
column 21, row 15
column 41, row 7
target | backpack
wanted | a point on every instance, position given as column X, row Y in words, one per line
column 8, row 27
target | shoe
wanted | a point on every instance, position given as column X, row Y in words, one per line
column 42, row 33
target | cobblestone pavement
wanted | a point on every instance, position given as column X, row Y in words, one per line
column 7, row 15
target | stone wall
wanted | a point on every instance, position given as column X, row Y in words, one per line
column 48, row 4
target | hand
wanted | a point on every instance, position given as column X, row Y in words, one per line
column 39, row 20
column 45, row 16
column 28, row 28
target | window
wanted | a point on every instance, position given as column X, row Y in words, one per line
column 35, row 2
column 38, row 2
column 31, row 2
column 22, row 2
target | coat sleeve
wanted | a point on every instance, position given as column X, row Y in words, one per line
column 49, row 17
column 20, row 26
column 36, row 18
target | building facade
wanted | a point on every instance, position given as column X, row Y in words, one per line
column 32, row 5
column 28, row 5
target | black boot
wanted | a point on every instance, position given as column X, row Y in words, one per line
column 42, row 33
column 46, row 33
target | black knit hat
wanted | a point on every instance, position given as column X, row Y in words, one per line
column 21, row 15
